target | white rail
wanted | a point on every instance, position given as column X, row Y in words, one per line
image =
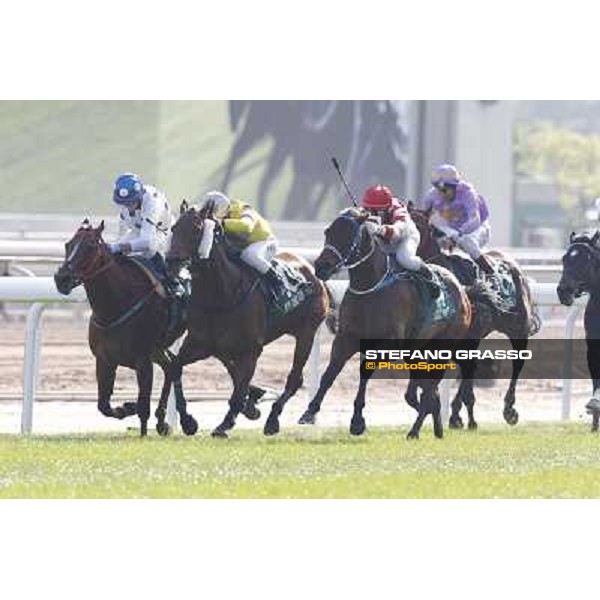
column 41, row 291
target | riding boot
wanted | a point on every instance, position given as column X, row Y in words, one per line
column 428, row 275
column 485, row 265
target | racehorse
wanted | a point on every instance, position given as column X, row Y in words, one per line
column 229, row 317
column 581, row 268
column 491, row 313
column 384, row 305
column 128, row 326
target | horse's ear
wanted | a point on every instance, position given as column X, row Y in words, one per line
column 184, row 206
column 571, row 237
column 410, row 205
column 85, row 222
column 595, row 238
column 100, row 228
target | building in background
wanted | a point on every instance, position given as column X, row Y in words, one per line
column 476, row 136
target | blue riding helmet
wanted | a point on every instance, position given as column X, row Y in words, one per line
column 129, row 189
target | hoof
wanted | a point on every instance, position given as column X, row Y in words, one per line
column 219, row 433
column 473, row 425
column 456, row 423
column 163, row 429
column 511, row 416
column 189, row 425
column 307, row 418
column 357, row 426
column 271, row 426
column 412, row 435
column 251, row 412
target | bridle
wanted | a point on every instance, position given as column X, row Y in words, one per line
column 592, row 256
column 90, row 271
column 354, row 247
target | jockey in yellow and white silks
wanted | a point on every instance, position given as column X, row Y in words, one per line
column 249, row 231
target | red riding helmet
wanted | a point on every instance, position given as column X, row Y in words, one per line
column 377, row 197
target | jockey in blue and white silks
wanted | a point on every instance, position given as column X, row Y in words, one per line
column 145, row 220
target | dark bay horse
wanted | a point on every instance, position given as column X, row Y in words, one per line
column 128, row 326
column 372, row 309
column 580, row 275
column 229, row 315
column 518, row 322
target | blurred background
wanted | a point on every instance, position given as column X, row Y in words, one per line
column 537, row 162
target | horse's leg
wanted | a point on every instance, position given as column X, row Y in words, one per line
column 593, row 363
column 342, row 349
column 455, row 421
column 464, row 395
column 163, row 358
column 412, row 394
column 188, row 353
column 357, row 424
column 241, row 371
column 511, row 416
column 144, row 372
column 436, row 410
column 423, row 411
column 105, row 376
column 430, row 403
column 294, row 381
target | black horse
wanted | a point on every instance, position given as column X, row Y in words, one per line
column 580, row 275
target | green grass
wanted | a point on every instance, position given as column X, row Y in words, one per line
column 554, row 460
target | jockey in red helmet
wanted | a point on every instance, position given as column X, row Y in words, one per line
column 397, row 229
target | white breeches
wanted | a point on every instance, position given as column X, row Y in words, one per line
column 473, row 242
column 259, row 254
column 406, row 250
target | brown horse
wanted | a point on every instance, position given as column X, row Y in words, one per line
column 491, row 314
column 229, row 315
column 128, row 326
column 373, row 309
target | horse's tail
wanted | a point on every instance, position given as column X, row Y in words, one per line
column 534, row 321
column 335, row 293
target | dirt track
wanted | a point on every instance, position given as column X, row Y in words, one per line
column 67, row 373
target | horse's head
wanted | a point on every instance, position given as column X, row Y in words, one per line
column 193, row 237
column 346, row 240
column 429, row 245
column 580, row 263
column 84, row 254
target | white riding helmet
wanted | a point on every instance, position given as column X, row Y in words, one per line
column 445, row 174
column 221, row 203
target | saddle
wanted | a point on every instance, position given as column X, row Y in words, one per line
column 467, row 271
column 178, row 300
column 294, row 289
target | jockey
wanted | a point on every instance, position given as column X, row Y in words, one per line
column 398, row 230
column 145, row 220
column 460, row 212
column 249, row 231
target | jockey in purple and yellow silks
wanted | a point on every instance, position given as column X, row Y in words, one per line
column 460, row 212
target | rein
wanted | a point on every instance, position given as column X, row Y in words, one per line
column 343, row 260
column 127, row 315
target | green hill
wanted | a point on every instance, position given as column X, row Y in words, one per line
column 63, row 156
